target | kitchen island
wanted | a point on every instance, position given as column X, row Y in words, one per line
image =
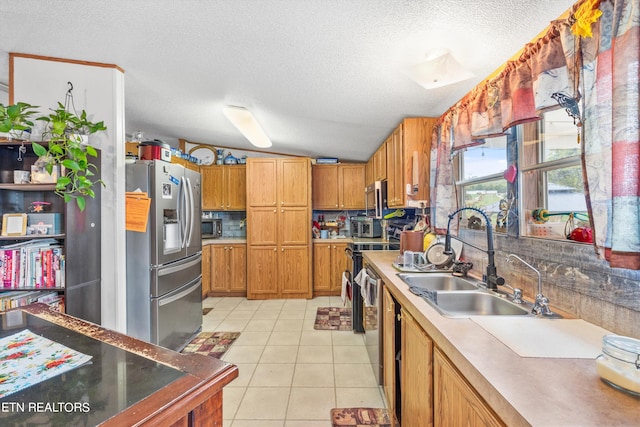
column 519, row 391
column 128, row 382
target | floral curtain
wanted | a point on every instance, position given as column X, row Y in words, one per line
column 611, row 157
column 587, row 63
column 445, row 190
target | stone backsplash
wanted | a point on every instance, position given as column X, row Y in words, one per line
column 573, row 278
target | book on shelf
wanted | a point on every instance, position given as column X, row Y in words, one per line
column 14, row 299
column 32, row 264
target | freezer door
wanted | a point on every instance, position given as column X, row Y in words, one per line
column 169, row 277
column 177, row 317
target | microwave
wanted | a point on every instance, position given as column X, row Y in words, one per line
column 365, row 227
column 211, row 228
column 376, row 198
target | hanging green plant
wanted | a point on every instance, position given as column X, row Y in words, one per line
column 16, row 119
column 67, row 134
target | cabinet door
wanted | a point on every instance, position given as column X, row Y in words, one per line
column 206, row 270
column 325, row 186
column 388, row 351
column 351, row 186
column 295, row 272
column 380, row 163
column 455, row 402
column 262, row 272
column 219, row 268
column 294, row 226
column 236, row 188
column 261, row 182
column 339, row 263
column 262, row 226
column 368, row 172
column 212, row 188
column 322, row 273
column 294, row 182
column 237, row 268
column 397, row 183
column 391, row 167
column 417, row 365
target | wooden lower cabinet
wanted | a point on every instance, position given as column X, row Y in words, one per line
column 389, row 351
column 206, row 270
column 329, row 262
column 456, row 403
column 416, row 374
column 228, row 270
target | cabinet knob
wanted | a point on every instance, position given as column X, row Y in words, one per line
column 274, row 249
column 282, row 210
column 282, row 249
column 275, row 210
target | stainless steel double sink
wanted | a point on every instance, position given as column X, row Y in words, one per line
column 455, row 296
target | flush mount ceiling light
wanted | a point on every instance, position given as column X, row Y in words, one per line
column 440, row 69
column 247, row 125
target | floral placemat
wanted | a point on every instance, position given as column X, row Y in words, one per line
column 27, row 359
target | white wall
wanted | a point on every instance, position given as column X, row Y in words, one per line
column 100, row 91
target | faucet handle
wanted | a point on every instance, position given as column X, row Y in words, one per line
column 517, row 296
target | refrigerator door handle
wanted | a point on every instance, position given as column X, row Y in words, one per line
column 191, row 211
column 183, row 211
column 176, row 297
column 175, row 268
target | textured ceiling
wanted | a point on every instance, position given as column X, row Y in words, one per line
column 324, row 77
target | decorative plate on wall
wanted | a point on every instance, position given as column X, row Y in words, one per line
column 206, row 154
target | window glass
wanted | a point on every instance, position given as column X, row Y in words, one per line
column 486, row 159
column 551, row 181
column 486, row 196
column 555, row 137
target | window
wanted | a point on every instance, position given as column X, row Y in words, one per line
column 482, row 185
column 551, row 178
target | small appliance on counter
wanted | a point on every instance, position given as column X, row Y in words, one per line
column 211, row 228
column 365, row 227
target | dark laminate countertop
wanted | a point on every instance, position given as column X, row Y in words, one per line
column 128, row 381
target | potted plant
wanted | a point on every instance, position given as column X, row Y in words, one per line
column 66, row 134
column 16, row 119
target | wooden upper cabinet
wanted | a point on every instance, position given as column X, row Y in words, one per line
column 224, row 188
column 380, row 163
column 325, row 187
column 293, row 182
column 368, row 172
column 236, row 185
column 351, row 186
column 411, row 139
column 338, row 187
column 261, row 190
column 212, row 188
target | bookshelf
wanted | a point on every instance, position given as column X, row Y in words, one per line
column 34, row 266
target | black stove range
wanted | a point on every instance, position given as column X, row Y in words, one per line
column 354, row 250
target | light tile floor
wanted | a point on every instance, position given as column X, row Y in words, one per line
column 291, row 375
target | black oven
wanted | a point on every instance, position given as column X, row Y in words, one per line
column 354, row 251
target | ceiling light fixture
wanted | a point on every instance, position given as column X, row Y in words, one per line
column 440, row 69
column 247, row 125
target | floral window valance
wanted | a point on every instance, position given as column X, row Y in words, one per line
column 587, row 63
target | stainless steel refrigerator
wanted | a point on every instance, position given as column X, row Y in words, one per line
column 164, row 264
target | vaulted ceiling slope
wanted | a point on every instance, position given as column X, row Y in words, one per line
column 323, row 77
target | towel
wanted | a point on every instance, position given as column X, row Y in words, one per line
column 346, row 287
column 367, row 289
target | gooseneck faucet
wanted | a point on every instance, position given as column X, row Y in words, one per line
column 541, row 305
column 492, row 279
